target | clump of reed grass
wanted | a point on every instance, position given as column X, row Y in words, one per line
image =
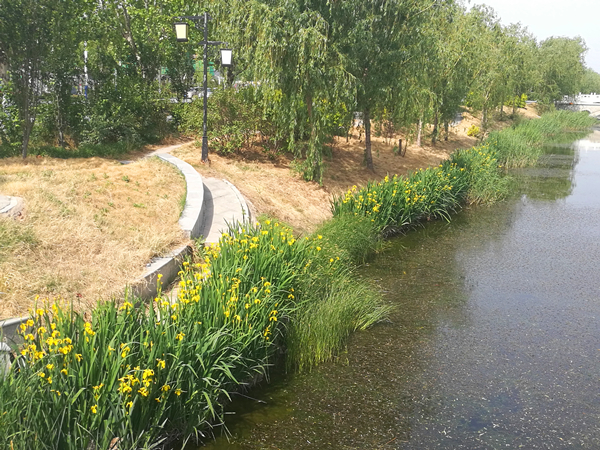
column 332, row 311
column 481, row 171
column 520, row 146
column 352, row 238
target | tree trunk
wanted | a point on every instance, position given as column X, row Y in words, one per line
column 368, row 153
column 446, row 130
column 26, row 120
column 59, row 119
column 434, row 135
column 484, row 118
column 26, row 134
column 419, row 129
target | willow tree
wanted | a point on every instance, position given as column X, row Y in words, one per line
column 590, row 83
column 379, row 39
column 488, row 84
column 26, row 39
column 562, row 67
column 454, row 65
column 438, row 74
column 520, row 57
column 284, row 49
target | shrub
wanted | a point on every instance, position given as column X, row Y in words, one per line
column 143, row 375
column 473, row 131
column 235, row 119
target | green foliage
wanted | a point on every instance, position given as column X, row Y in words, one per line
column 10, row 124
column 590, row 84
column 352, row 238
column 562, row 67
column 82, row 151
column 235, row 120
column 151, row 373
column 333, row 310
column 129, row 113
column 486, row 183
column 519, row 101
column 334, row 302
column 312, row 64
column 398, row 202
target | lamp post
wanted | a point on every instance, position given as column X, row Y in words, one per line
column 181, row 31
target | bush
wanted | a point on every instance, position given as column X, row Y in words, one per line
column 10, row 124
column 129, row 112
column 473, row 131
column 235, row 119
column 520, row 101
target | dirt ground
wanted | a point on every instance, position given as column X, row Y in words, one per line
column 274, row 189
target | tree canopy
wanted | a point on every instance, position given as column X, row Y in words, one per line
column 111, row 71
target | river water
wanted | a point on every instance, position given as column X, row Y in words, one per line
column 494, row 341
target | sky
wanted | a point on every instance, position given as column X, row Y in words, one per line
column 546, row 18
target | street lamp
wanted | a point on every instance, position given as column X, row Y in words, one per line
column 181, row 31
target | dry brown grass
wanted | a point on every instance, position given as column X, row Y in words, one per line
column 275, row 190
column 88, row 229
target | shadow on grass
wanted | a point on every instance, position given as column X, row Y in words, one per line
column 84, row 151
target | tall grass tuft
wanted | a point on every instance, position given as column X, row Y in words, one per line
column 351, row 238
column 520, row 145
column 332, row 310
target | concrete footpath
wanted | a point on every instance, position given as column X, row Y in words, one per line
column 223, row 206
column 220, row 202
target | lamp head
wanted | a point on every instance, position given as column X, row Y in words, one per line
column 226, row 57
column 181, row 31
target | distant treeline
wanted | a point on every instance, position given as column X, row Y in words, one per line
column 81, row 72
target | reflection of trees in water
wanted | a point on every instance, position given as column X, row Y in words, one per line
column 552, row 178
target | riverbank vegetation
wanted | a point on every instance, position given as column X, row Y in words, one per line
column 101, row 79
column 142, row 375
column 472, row 175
